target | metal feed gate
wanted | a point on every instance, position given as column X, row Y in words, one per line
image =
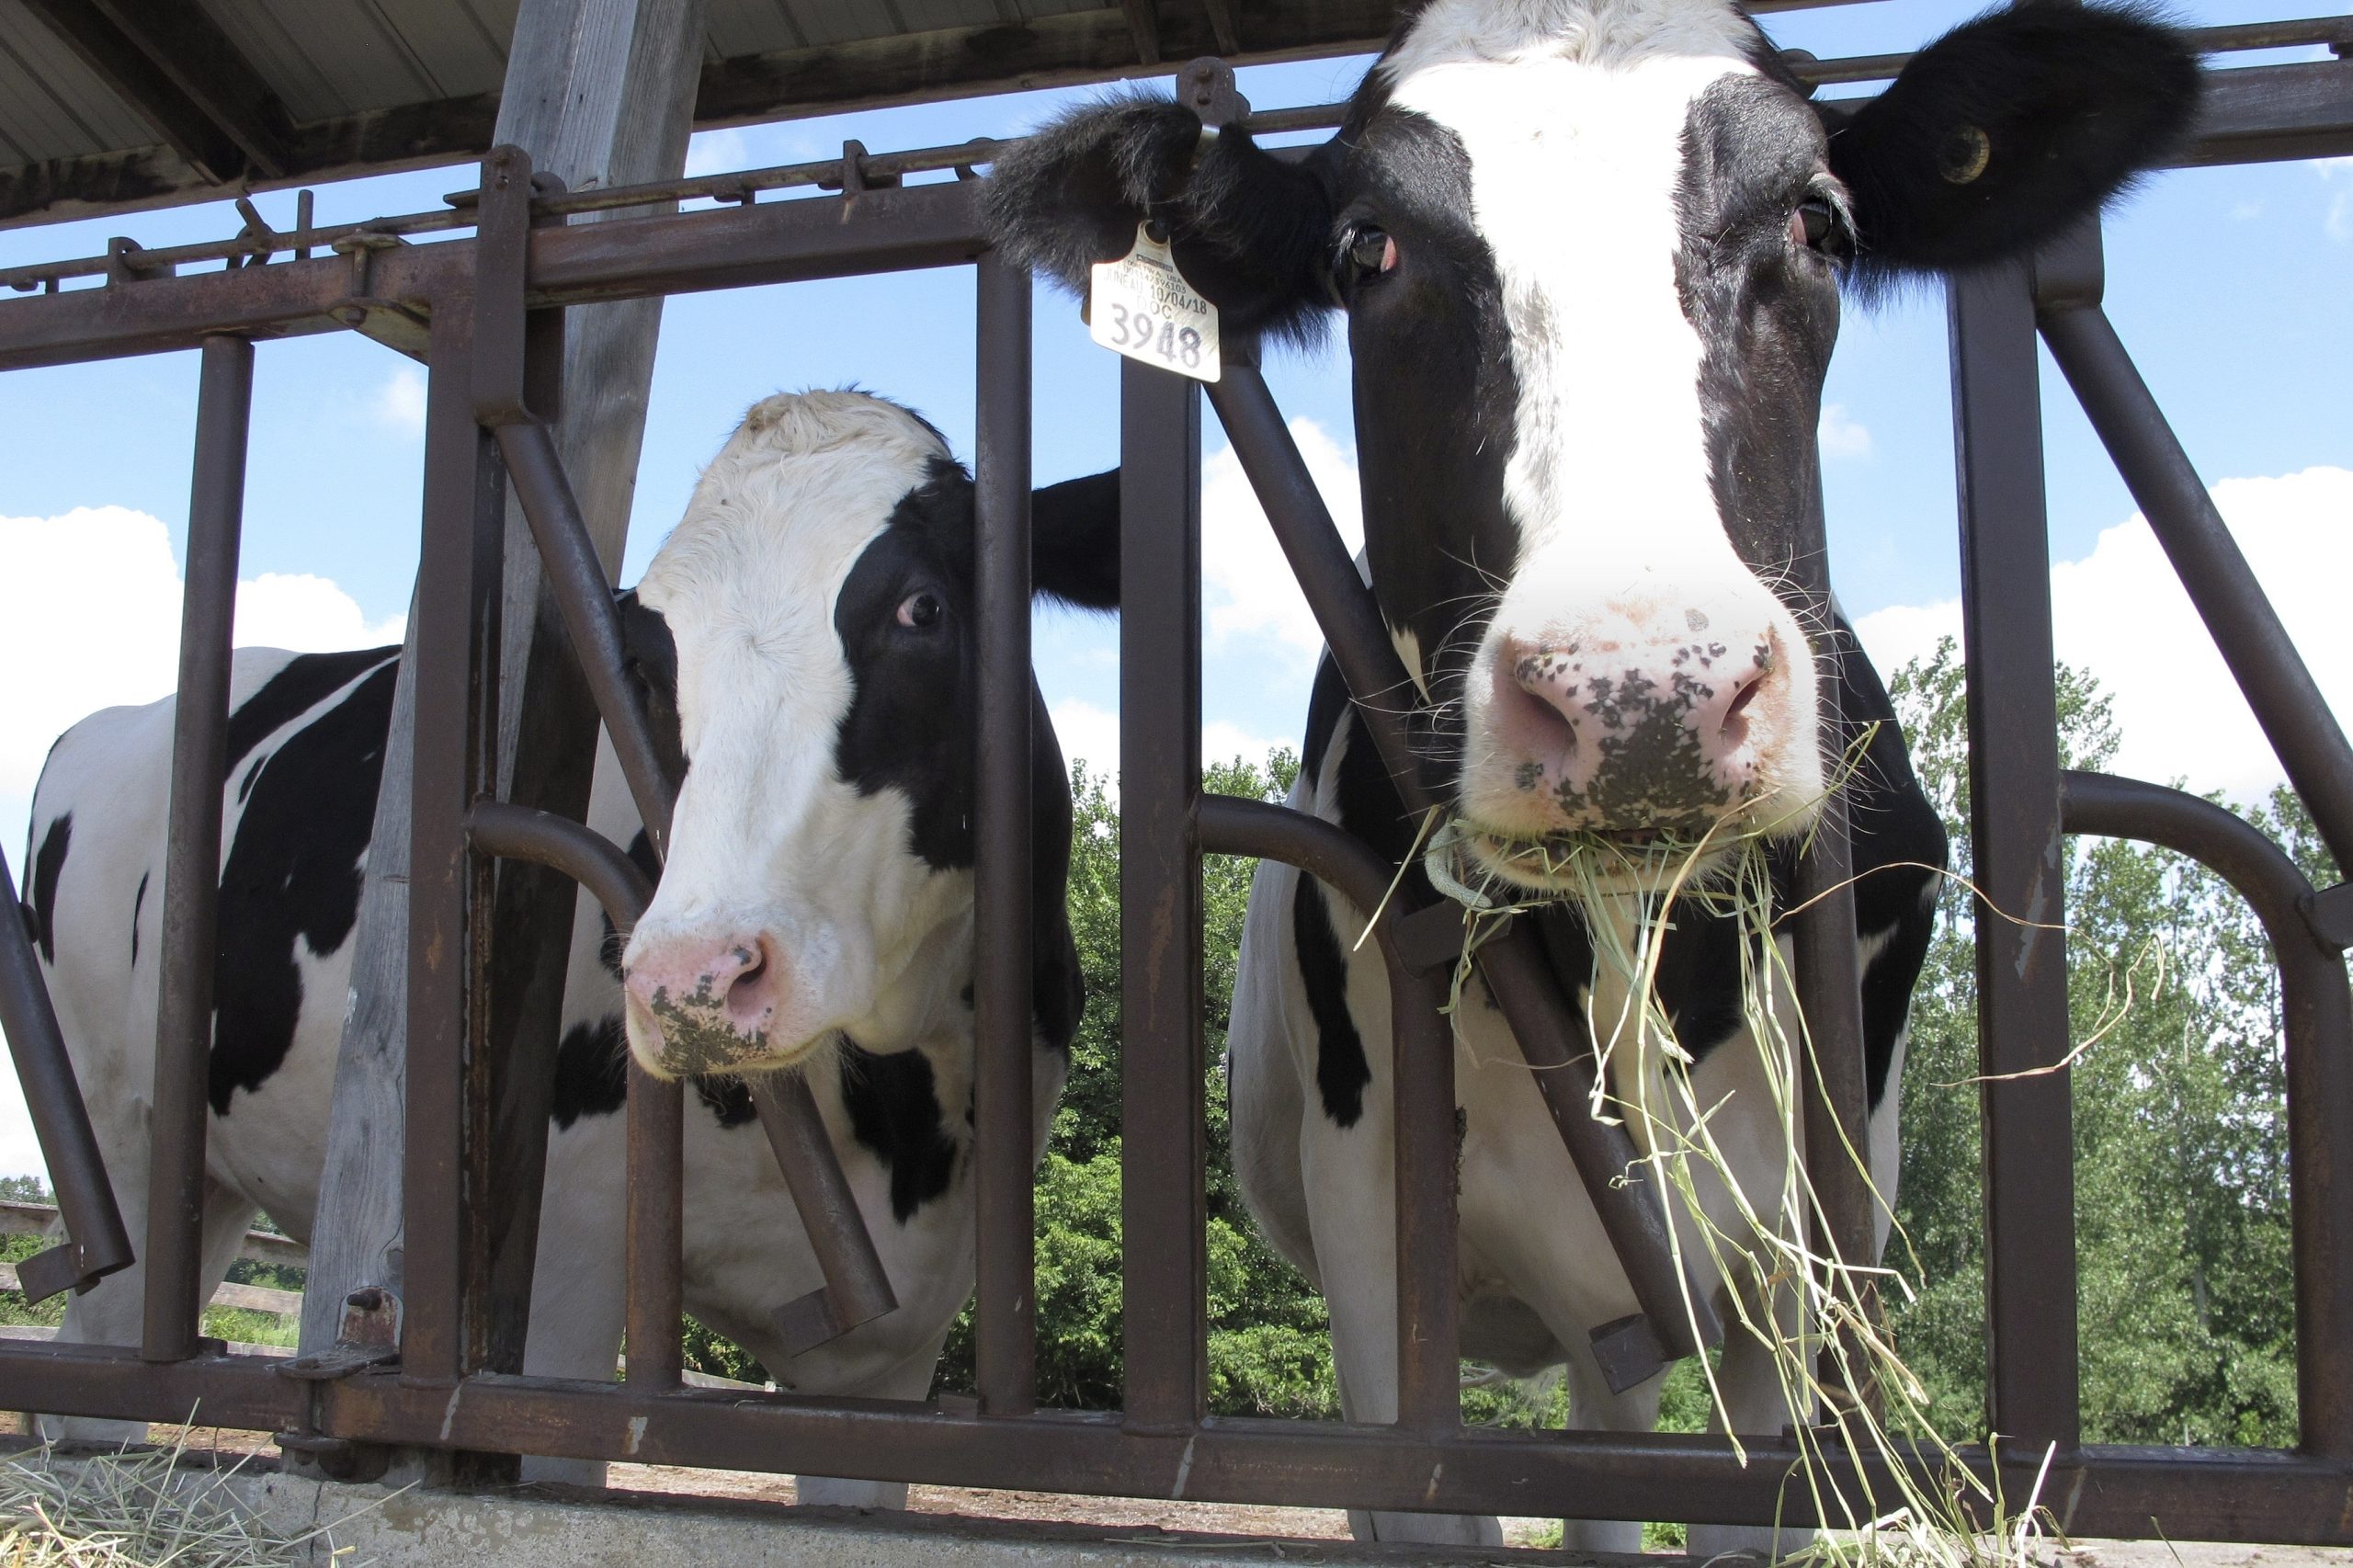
column 484, row 314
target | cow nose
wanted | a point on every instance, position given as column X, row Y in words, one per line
column 1627, row 735
column 702, row 996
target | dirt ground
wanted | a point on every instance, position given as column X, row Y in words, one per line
column 1217, row 1519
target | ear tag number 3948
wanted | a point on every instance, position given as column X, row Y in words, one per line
column 1140, row 306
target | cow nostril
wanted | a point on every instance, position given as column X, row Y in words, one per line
column 1735, row 728
column 744, row 992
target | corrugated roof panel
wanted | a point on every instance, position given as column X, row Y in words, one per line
column 749, row 27
column 447, row 41
column 923, row 16
column 262, row 38
column 842, row 21
column 346, row 46
column 53, row 106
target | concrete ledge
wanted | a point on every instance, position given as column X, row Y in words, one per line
column 557, row 1527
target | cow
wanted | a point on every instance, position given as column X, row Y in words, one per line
column 806, row 640
column 1589, row 254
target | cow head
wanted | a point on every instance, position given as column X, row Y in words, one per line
column 815, row 626
column 1590, row 253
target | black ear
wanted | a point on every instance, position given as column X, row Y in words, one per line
column 650, row 657
column 1249, row 229
column 2007, row 129
column 1074, row 541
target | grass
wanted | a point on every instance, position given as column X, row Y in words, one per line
column 1846, row 1389
column 136, row 1509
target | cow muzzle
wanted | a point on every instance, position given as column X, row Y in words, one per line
column 702, row 1006
column 1666, row 726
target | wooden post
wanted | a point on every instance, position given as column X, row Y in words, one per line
column 599, row 92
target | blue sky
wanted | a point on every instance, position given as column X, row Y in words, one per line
column 2229, row 286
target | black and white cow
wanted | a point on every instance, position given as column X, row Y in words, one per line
column 1590, row 253
column 806, row 631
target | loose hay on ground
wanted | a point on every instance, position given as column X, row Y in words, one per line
column 137, row 1509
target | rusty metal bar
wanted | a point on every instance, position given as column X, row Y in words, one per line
column 175, row 1302
column 1004, row 1153
column 1549, row 1034
column 856, row 1289
column 2316, row 1014
column 2020, row 869
column 1829, row 992
column 576, row 581
column 657, row 1108
column 2272, row 674
column 96, row 1245
column 454, row 763
column 1163, row 1201
column 1429, row 1392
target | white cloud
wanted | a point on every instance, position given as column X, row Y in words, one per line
column 2340, row 221
column 1224, row 742
column 2122, row 614
column 1248, row 584
column 1841, row 435
column 717, row 152
column 400, row 403
column 93, row 621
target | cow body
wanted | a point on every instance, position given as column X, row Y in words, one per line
column 1590, row 253
column 818, row 491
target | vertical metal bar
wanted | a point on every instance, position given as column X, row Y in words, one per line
column 2277, row 684
column 1429, row 1377
column 1005, row 1146
column 459, row 570
column 1829, row 990
column 192, row 855
column 2020, row 864
column 1162, row 1205
column 96, row 1245
column 656, row 1225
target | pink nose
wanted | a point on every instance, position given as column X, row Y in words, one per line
column 692, row 991
column 1628, row 735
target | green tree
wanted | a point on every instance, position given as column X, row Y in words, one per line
column 2186, row 1323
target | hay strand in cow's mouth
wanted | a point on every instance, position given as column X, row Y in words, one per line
column 1846, row 1391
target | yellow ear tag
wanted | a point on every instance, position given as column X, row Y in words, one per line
column 1140, row 306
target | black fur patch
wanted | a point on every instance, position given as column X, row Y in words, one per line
column 591, row 1070
column 893, row 1108
column 1341, row 1070
column 729, row 1102
column 307, row 680
column 609, row 945
column 293, row 876
column 2007, row 129
column 49, row 864
column 138, row 902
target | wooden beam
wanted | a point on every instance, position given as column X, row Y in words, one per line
column 132, row 77
column 1144, row 27
column 1222, row 27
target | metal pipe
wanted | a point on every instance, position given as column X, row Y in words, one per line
column 2277, row 684
column 2316, row 1013
column 1004, row 1153
column 1429, row 1394
column 175, row 1302
column 2020, row 871
column 577, row 582
column 1164, row 1156
column 1549, row 1034
column 97, row 1243
column 460, row 567
column 857, row 1289
column 656, row 1220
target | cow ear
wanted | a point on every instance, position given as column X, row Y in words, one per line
column 2000, row 134
column 1248, row 229
column 1074, row 541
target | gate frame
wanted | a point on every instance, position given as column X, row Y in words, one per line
column 446, row 1392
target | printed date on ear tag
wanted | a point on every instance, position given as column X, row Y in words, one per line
column 1140, row 306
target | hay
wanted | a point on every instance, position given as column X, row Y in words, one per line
column 137, row 1509
column 1813, row 1311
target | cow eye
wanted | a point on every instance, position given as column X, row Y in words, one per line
column 1367, row 253
column 1818, row 225
column 921, row 611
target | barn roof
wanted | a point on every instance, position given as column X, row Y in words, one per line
column 106, row 104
